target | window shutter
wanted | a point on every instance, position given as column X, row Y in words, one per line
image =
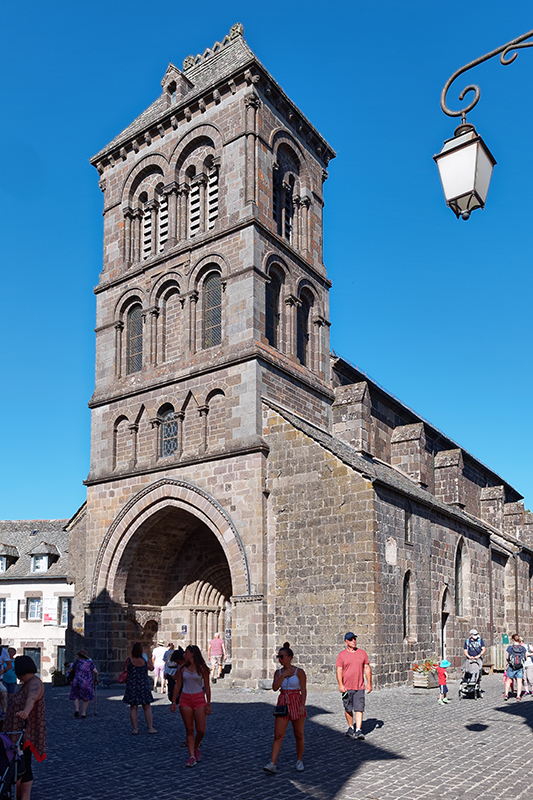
column 12, row 611
column 50, row 611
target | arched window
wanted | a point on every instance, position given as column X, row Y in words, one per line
column 285, row 185
column 302, row 331
column 459, row 584
column 169, row 431
column 406, row 605
column 134, row 358
column 212, row 310
column 272, row 314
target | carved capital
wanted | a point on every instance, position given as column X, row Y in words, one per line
column 286, row 187
column 193, row 297
column 170, row 188
column 305, row 202
column 151, row 205
column 252, row 100
column 119, row 326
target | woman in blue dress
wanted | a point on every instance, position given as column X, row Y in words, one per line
column 85, row 676
column 138, row 687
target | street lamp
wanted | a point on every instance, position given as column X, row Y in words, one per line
column 465, row 162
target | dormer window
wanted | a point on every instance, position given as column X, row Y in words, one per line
column 39, row 563
column 43, row 556
column 8, row 556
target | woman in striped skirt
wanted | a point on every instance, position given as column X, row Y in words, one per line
column 292, row 685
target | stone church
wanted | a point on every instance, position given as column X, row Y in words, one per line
column 242, row 478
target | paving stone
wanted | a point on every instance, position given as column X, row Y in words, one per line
column 414, row 749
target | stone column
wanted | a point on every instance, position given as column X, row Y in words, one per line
column 193, row 300
column 180, row 416
column 252, row 103
column 152, row 208
column 305, row 202
column 154, row 314
column 183, row 212
column 127, row 248
column 137, row 217
column 134, row 430
column 291, row 305
column 171, row 192
column 119, row 327
column 296, row 232
column 156, row 427
column 203, row 423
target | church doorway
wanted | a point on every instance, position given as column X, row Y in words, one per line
column 174, row 582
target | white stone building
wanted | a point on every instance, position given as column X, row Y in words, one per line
column 34, row 595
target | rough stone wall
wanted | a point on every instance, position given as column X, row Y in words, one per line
column 321, row 550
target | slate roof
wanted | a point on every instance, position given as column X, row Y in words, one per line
column 205, row 75
column 37, row 536
column 378, row 472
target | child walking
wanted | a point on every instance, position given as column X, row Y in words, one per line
column 443, row 677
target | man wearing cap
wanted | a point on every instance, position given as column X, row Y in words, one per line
column 352, row 668
column 474, row 648
column 474, row 651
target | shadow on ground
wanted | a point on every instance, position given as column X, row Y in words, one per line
column 99, row 758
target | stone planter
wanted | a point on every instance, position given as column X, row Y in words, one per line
column 425, row 680
column 59, row 680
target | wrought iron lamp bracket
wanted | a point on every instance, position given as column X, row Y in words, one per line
column 505, row 59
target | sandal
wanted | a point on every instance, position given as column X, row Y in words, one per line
column 152, row 730
column 135, row 731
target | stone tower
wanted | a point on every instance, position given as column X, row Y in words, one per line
column 213, row 297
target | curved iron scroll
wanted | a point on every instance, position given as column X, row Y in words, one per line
column 505, row 58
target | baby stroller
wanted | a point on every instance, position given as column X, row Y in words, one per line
column 471, row 680
column 11, row 764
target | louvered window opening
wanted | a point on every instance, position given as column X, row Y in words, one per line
column 302, row 333
column 212, row 199
column 212, row 311
column 163, row 222
column 146, row 234
column 135, row 340
column 194, row 210
column 288, row 216
column 169, row 434
column 272, row 311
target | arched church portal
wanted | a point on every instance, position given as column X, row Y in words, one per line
column 166, row 570
column 174, row 580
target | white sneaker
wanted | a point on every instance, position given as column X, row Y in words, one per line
column 270, row 767
column 299, row 766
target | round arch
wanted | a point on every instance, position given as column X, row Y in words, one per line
column 163, row 496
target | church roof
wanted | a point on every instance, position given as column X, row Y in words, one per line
column 20, row 539
column 202, row 73
column 378, row 472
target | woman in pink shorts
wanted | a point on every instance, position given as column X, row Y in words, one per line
column 292, row 683
column 195, row 700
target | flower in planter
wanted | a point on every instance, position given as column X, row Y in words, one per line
column 424, row 667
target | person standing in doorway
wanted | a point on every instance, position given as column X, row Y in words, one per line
column 353, row 668
column 216, row 655
column 159, row 665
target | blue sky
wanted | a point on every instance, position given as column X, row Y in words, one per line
column 435, row 310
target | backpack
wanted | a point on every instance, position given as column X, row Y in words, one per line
column 516, row 656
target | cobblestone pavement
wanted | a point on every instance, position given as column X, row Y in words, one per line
column 414, row 749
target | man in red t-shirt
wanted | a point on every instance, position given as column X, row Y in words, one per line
column 352, row 669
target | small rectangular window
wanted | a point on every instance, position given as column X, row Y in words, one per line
column 39, row 563
column 34, row 608
column 2, row 610
column 3, row 563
